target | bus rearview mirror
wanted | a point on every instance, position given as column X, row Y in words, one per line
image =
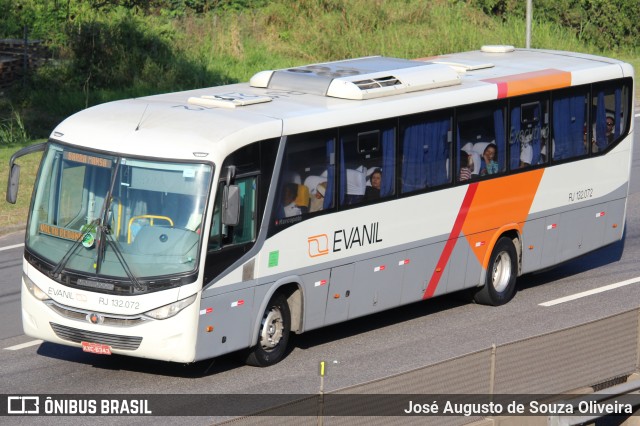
column 13, row 183
column 231, row 205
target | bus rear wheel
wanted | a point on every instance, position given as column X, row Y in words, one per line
column 500, row 283
column 273, row 337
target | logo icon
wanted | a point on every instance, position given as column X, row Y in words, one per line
column 318, row 245
column 23, row 405
column 94, row 318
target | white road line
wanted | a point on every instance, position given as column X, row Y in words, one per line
column 11, row 247
column 590, row 292
column 23, row 345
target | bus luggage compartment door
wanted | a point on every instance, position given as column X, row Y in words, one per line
column 338, row 295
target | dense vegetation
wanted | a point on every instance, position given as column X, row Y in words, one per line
column 109, row 49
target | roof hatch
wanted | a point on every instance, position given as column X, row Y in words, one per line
column 362, row 78
column 229, row 100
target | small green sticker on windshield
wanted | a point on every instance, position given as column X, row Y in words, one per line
column 273, row 258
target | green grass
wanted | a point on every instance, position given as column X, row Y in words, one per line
column 14, row 216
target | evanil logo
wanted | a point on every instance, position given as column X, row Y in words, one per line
column 318, row 245
column 344, row 239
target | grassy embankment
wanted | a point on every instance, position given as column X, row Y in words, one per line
column 233, row 46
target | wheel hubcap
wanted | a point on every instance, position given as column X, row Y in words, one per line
column 272, row 329
column 501, row 274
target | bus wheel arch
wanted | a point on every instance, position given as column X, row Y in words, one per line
column 503, row 267
column 281, row 315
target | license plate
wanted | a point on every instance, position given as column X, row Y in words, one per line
column 96, row 348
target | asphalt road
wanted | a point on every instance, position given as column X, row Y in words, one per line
column 357, row 351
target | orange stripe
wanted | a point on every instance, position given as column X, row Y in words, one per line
column 451, row 242
column 498, row 203
column 531, row 82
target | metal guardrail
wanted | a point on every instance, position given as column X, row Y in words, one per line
column 582, row 356
column 613, row 395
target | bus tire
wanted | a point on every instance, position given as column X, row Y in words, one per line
column 500, row 283
column 273, row 336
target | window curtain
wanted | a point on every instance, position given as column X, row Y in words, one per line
column 388, row 162
column 601, row 123
column 498, row 123
column 425, row 151
column 568, row 125
column 537, row 134
column 331, row 174
column 514, row 143
column 343, row 173
column 618, row 116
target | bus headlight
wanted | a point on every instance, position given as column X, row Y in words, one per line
column 34, row 289
column 167, row 311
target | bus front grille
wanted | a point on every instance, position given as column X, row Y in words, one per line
column 115, row 341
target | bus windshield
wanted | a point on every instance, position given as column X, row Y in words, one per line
column 118, row 218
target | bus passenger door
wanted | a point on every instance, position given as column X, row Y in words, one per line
column 339, row 294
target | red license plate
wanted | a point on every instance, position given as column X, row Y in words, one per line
column 96, row 348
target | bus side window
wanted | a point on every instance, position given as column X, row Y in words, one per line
column 608, row 115
column 529, row 131
column 481, row 135
column 569, row 122
column 426, row 151
column 367, row 165
column 307, row 177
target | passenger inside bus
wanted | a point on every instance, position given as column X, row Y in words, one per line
column 289, row 196
column 317, row 197
column 489, row 163
column 466, row 165
column 374, row 181
column 356, row 185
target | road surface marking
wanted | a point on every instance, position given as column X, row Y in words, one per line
column 590, row 292
column 11, row 247
column 23, row 345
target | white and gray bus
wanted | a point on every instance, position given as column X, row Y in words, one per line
column 188, row 225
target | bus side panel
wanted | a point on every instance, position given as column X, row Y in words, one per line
column 372, row 276
column 533, row 234
column 570, row 225
column 230, row 316
column 581, row 230
column 416, row 277
column 458, row 267
column 614, row 226
column 550, row 245
column 338, row 299
column 389, row 292
column 316, row 289
column 423, row 265
column 595, row 220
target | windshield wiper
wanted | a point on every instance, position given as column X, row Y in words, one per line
column 63, row 262
column 104, row 235
column 106, row 232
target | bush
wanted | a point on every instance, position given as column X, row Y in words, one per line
column 606, row 24
column 12, row 131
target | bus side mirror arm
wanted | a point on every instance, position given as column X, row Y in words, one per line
column 14, row 170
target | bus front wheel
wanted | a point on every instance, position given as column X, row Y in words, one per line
column 500, row 283
column 273, row 337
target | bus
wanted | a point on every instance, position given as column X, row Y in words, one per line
column 188, row 225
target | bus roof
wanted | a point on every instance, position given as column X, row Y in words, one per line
column 217, row 120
